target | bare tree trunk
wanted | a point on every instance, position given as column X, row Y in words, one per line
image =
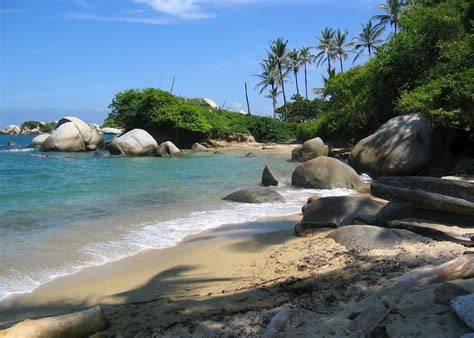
column 172, row 85
column 80, row 324
column 274, row 101
column 247, row 98
column 340, row 62
column 458, row 268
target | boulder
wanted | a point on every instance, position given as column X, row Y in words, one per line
column 464, row 308
column 197, row 147
column 334, row 211
column 72, row 134
column 211, row 104
column 325, row 173
column 168, row 149
column 399, row 147
column 111, row 131
column 66, row 137
column 13, row 129
column 136, row 142
column 427, row 193
column 269, row 177
column 255, row 195
column 313, row 148
column 39, row 140
column 371, row 237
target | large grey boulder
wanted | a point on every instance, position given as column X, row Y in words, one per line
column 39, row 140
column 168, row 149
column 325, row 173
column 136, row 142
column 72, row 134
column 313, row 148
column 399, row 147
column 335, row 211
column 255, row 195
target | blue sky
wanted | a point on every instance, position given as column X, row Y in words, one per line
column 70, row 57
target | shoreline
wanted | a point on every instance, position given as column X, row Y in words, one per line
column 103, row 284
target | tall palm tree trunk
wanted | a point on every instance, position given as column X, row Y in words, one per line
column 329, row 63
column 297, row 84
column 370, row 51
column 340, row 62
column 283, row 90
column 306, row 81
column 274, row 101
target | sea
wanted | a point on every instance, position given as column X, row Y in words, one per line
column 62, row 212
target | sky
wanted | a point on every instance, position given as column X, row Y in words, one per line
column 70, row 57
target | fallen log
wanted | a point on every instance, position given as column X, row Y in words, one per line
column 461, row 267
column 435, row 234
column 80, row 324
column 427, row 193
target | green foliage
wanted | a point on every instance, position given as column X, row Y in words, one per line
column 427, row 67
column 185, row 121
column 301, row 109
column 44, row 127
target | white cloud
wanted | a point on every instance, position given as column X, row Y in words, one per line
column 129, row 19
column 186, row 9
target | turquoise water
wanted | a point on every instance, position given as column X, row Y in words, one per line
column 66, row 211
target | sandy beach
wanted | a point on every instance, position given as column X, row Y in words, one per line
column 232, row 280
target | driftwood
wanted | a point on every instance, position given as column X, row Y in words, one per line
column 80, row 324
column 427, row 193
column 458, row 268
column 435, row 234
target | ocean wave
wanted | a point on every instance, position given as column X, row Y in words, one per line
column 166, row 234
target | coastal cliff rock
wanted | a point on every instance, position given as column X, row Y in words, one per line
column 12, row 129
column 71, row 135
column 211, row 103
column 399, row 147
column 39, row 140
column 255, row 195
column 136, row 142
column 334, row 211
column 168, row 149
column 230, row 140
column 325, row 173
column 311, row 149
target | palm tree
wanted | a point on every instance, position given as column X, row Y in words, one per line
column 326, row 47
column 269, row 78
column 279, row 51
column 369, row 39
column 392, row 9
column 305, row 57
column 294, row 62
column 341, row 46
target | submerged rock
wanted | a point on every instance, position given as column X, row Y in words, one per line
column 325, row 173
column 136, row 142
column 311, row 149
column 255, row 195
column 399, row 147
column 168, row 149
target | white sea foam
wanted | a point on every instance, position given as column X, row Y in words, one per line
column 22, row 150
column 165, row 234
